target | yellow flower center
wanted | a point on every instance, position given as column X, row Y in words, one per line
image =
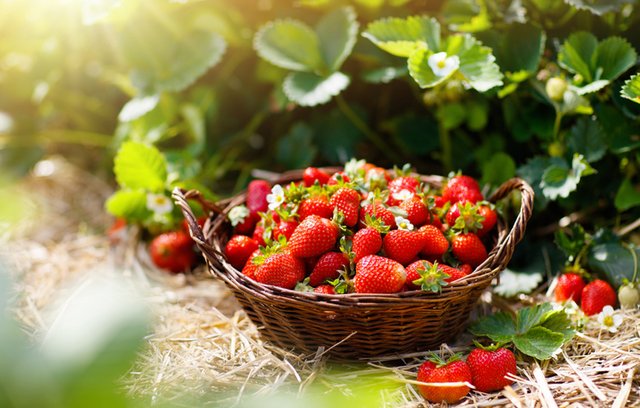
column 442, row 64
column 608, row 321
column 160, row 200
column 403, row 225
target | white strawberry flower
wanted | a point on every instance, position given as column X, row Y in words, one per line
column 352, row 166
column 160, row 204
column 441, row 65
column 276, row 198
column 402, row 195
column 404, row 224
column 238, row 214
column 609, row 320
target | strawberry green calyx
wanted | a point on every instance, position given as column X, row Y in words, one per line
column 440, row 361
column 491, row 346
column 405, row 170
column 371, row 221
column 432, row 278
column 468, row 219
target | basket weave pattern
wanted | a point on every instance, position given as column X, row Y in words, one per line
column 354, row 326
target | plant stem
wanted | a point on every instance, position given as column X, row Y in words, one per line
column 556, row 125
column 364, row 128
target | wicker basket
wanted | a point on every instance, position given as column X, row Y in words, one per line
column 355, row 326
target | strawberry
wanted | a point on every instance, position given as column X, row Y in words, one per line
column 595, row 296
column 238, row 250
column 463, row 216
column 317, row 205
column 489, row 368
column 325, row 289
column 259, row 234
column 468, row 248
column 403, row 183
column 380, row 212
column 347, row 201
column 314, row 236
column 489, row 221
column 435, row 243
column 426, row 276
column 337, row 178
column 417, row 212
column 452, row 371
column 366, row 241
column 462, row 188
column 403, row 245
column 285, row 228
column 327, row 268
column 312, row 174
column 376, row 177
column 172, row 251
column 117, row 231
column 569, row 286
column 377, row 274
column 250, row 267
column 280, row 269
column 257, row 196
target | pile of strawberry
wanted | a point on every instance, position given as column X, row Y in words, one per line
column 364, row 229
column 592, row 297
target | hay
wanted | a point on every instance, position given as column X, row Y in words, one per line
column 203, row 347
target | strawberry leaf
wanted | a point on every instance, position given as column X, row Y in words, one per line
column 307, row 89
column 559, row 180
column 559, row 322
column 631, row 89
column 499, row 327
column 139, row 166
column 128, row 204
column 627, row 196
column 539, row 342
column 403, row 36
column 528, row 317
column 337, row 32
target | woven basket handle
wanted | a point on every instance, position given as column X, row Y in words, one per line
column 180, row 197
column 516, row 233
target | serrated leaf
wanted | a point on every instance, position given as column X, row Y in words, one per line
column 594, row 86
column 289, row 44
column 139, row 166
column 521, row 48
column 477, row 63
column 128, row 204
column 576, row 52
column 559, row 322
column 421, row 72
column 499, row 327
column 539, row 342
column 559, row 180
column 531, row 316
column 599, row 7
column 615, row 262
column 614, row 56
column 307, row 89
column 631, row 89
column 513, row 282
column 137, row 107
column 628, row 196
column 403, row 36
column 337, row 33
column 588, row 139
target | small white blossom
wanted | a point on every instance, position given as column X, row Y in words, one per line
column 609, row 320
column 404, row 224
column 353, row 166
column 238, row 214
column 402, row 195
column 441, row 65
column 160, row 204
column 276, row 198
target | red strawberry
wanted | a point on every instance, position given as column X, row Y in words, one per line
column 338, row 177
column 417, row 212
column 596, row 295
column 466, row 269
column 257, row 196
column 376, row 176
column 435, row 243
column 463, row 216
column 173, row 251
column 490, row 219
column 250, row 267
column 569, row 286
column 238, row 249
column 318, row 205
column 403, row 245
column 439, row 201
column 468, row 248
column 285, row 228
column 259, row 234
column 312, row 174
column 377, row 274
column 246, row 225
column 280, row 269
column 327, row 268
column 347, row 201
column 366, row 241
column 380, row 212
column 403, row 183
column 325, row 289
column 314, row 236
column 489, row 368
column 117, row 231
column 462, row 188
column 453, row 371
column 426, row 276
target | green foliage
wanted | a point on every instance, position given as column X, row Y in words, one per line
column 138, row 166
column 402, row 37
column 631, row 88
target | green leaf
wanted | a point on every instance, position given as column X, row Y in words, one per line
column 532, row 172
column 559, row 180
column 614, row 261
column 385, row 75
column 599, row 7
column 296, row 150
column 539, row 342
column 559, row 322
column 628, row 196
column 477, row 63
column 337, row 33
column 415, row 134
column 498, row 169
column 403, row 36
column 587, row 138
column 631, row 89
column 499, row 327
column 128, row 204
column 307, row 89
column 521, row 48
column 137, row 107
column 421, row 72
column 576, row 53
column 138, row 166
column 196, row 128
column 571, row 240
column 531, row 316
column 614, row 56
column 289, row 44
column 620, row 130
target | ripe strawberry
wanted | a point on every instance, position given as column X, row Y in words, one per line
column 462, row 188
column 257, row 196
column 376, row 177
column 280, row 269
column 463, row 216
column 327, row 268
column 325, row 289
column 117, row 231
column 337, row 178
column 569, row 286
column 403, row 183
column 250, row 267
column 453, row 371
column 284, row 228
column 380, row 212
column 259, row 234
column 466, row 269
column 246, row 225
column 403, row 245
column 417, row 212
column 489, row 368
column 347, row 201
column 366, row 241
column 318, row 205
column 312, row 174
column 426, row 276
column 238, row 250
column 468, row 248
column 377, row 274
column 172, row 251
column 314, row 236
column 596, row 295
column 435, row 243
column 490, row 220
